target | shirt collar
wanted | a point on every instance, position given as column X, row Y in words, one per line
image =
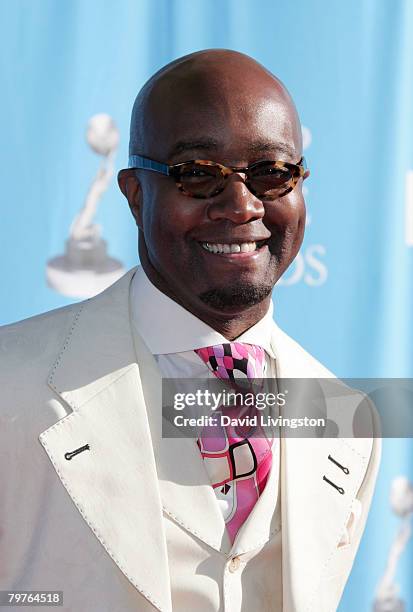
column 167, row 327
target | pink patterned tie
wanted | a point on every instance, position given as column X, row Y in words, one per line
column 238, row 466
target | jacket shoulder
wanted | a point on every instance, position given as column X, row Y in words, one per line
column 36, row 340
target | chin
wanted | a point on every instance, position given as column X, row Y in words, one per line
column 244, row 295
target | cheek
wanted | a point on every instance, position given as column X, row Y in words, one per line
column 288, row 216
column 168, row 218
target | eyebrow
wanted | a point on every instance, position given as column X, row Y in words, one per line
column 205, row 144
column 271, row 147
column 210, row 144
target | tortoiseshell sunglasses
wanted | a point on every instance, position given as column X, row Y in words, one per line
column 200, row 178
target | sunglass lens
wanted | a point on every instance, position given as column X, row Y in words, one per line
column 270, row 180
column 201, row 180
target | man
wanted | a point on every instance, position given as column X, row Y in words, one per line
column 105, row 508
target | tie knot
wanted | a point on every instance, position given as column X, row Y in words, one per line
column 234, row 360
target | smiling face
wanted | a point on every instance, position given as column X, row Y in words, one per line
column 221, row 254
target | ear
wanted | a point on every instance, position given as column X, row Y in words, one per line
column 306, row 174
column 131, row 188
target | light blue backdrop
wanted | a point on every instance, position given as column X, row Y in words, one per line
column 349, row 66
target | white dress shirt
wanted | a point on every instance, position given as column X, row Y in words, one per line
column 171, row 333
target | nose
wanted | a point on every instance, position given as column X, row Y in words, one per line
column 236, row 202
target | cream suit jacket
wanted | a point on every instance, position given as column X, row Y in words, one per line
column 94, row 526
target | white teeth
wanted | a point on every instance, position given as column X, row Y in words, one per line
column 243, row 247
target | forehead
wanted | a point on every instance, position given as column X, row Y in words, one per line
column 230, row 117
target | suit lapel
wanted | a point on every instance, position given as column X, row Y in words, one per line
column 113, row 481
column 185, row 488
column 314, row 513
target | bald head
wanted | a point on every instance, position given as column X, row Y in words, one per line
column 217, row 84
column 218, row 256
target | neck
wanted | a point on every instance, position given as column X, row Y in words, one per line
column 229, row 324
column 235, row 324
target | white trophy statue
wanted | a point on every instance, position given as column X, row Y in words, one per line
column 85, row 269
column 387, row 592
